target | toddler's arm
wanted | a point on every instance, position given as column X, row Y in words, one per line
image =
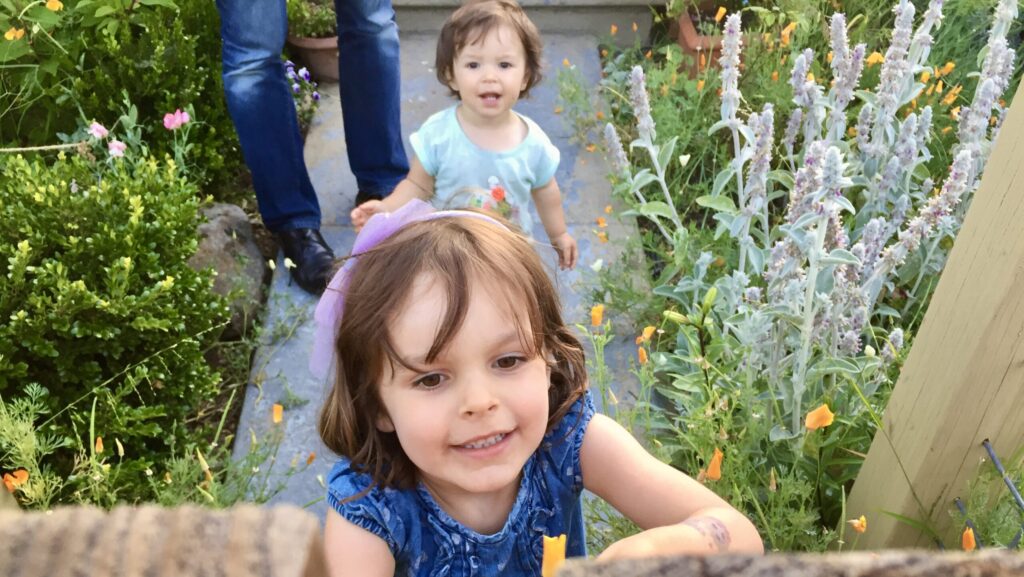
column 678, row 514
column 417, row 184
column 548, row 199
column 354, row 551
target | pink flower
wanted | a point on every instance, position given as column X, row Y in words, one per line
column 96, row 130
column 116, row 148
column 173, row 121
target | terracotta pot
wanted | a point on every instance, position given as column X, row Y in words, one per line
column 695, row 44
column 319, row 55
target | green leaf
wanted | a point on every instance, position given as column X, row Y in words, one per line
column 104, row 11
column 164, row 3
column 840, row 256
column 921, row 526
column 834, row 366
column 721, row 179
column 665, row 154
column 719, row 203
column 14, row 50
column 656, row 209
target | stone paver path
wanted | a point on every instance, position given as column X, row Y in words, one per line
column 280, row 373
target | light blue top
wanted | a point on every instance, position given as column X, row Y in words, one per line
column 466, row 175
column 426, row 541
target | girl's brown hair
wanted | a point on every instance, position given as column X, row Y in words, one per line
column 474, row 20
column 459, row 252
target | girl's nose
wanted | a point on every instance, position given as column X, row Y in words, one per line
column 478, row 398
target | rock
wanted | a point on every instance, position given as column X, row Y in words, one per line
column 226, row 245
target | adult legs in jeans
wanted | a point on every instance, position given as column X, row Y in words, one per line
column 261, row 106
column 368, row 65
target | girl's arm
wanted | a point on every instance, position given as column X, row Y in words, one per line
column 678, row 514
column 354, row 551
column 548, row 199
column 417, row 184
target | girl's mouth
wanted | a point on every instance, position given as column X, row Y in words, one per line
column 490, row 97
column 484, row 443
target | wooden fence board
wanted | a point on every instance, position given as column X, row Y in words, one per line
column 963, row 380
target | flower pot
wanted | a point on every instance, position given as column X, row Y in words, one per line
column 695, row 45
column 318, row 55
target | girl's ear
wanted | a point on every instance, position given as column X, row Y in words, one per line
column 384, row 424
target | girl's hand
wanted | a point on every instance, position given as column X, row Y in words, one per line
column 568, row 252
column 702, row 536
column 363, row 212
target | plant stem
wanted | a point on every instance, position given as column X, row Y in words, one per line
column 805, row 331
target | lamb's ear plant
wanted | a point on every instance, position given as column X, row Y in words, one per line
column 805, row 317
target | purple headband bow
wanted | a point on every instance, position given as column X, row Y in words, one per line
column 380, row 227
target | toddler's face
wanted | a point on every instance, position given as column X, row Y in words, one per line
column 490, row 75
column 469, row 420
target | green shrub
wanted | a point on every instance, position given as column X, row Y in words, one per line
column 98, row 303
column 85, row 56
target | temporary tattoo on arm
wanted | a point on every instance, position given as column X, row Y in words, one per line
column 714, row 530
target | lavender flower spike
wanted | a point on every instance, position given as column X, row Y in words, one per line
column 616, row 154
column 730, row 62
column 641, row 105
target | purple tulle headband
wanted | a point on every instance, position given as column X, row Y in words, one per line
column 378, row 228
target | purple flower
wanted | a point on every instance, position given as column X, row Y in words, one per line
column 304, row 74
column 316, row 96
column 641, row 105
column 295, row 88
column 616, row 154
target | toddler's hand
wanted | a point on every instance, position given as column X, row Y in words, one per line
column 363, row 212
column 568, row 252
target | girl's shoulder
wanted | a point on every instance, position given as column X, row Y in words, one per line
column 383, row 511
column 441, row 121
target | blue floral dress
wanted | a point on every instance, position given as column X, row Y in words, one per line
column 426, row 541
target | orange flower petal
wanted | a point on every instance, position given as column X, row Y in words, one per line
column 310, row 458
column 818, row 418
column 715, row 466
column 602, row 222
column 591, row 147
column 278, row 412
column 641, row 355
column 554, row 555
column 565, row 62
column 602, row 236
column 859, row 525
column 9, row 482
column 967, row 540
column 720, row 14
column 634, row 27
column 99, row 444
column 700, row 85
column 608, row 209
column 615, row 30
column 596, row 315
column 775, row 75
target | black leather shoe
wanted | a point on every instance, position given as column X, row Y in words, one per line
column 313, row 258
column 362, row 197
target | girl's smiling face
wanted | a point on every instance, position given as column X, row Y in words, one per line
column 490, row 74
column 470, row 419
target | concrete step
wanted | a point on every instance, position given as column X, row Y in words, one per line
column 593, row 17
column 280, row 371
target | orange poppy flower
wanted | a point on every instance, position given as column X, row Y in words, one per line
column 947, row 68
column 775, row 75
column 720, row 14
column 602, row 222
column 615, row 30
column 602, row 236
column 859, row 525
column 14, row 480
column 278, row 412
column 14, row 33
column 596, row 315
column 310, row 458
column 700, row 85
column 646, row 335
column 875, row 58
column 715, row 466
column 554, row 555
column 565, row 62
column 641, row 355
column 99, row 444
column 967, row 540
column 818, row 418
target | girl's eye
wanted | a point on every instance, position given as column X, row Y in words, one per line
column 506, row 65
column 509, row 362
column 429, row 381
column 472, row 65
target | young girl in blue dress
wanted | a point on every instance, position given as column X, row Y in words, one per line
column 480, row 153
column 461, row 413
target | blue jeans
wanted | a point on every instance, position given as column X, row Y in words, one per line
column 260, row 102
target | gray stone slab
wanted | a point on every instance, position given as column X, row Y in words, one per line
column 280, row 371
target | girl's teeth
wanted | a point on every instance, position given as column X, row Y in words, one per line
column 486, row 442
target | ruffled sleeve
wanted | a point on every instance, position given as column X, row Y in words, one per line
column 559, row 453
column 372, row 509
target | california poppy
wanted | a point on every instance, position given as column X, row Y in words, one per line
column 818, row 418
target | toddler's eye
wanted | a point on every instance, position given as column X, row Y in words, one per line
column 429, row 381
column 506, row 65
column 472, row 65
column 509, row 362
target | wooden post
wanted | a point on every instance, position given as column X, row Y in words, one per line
column 963, row 380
